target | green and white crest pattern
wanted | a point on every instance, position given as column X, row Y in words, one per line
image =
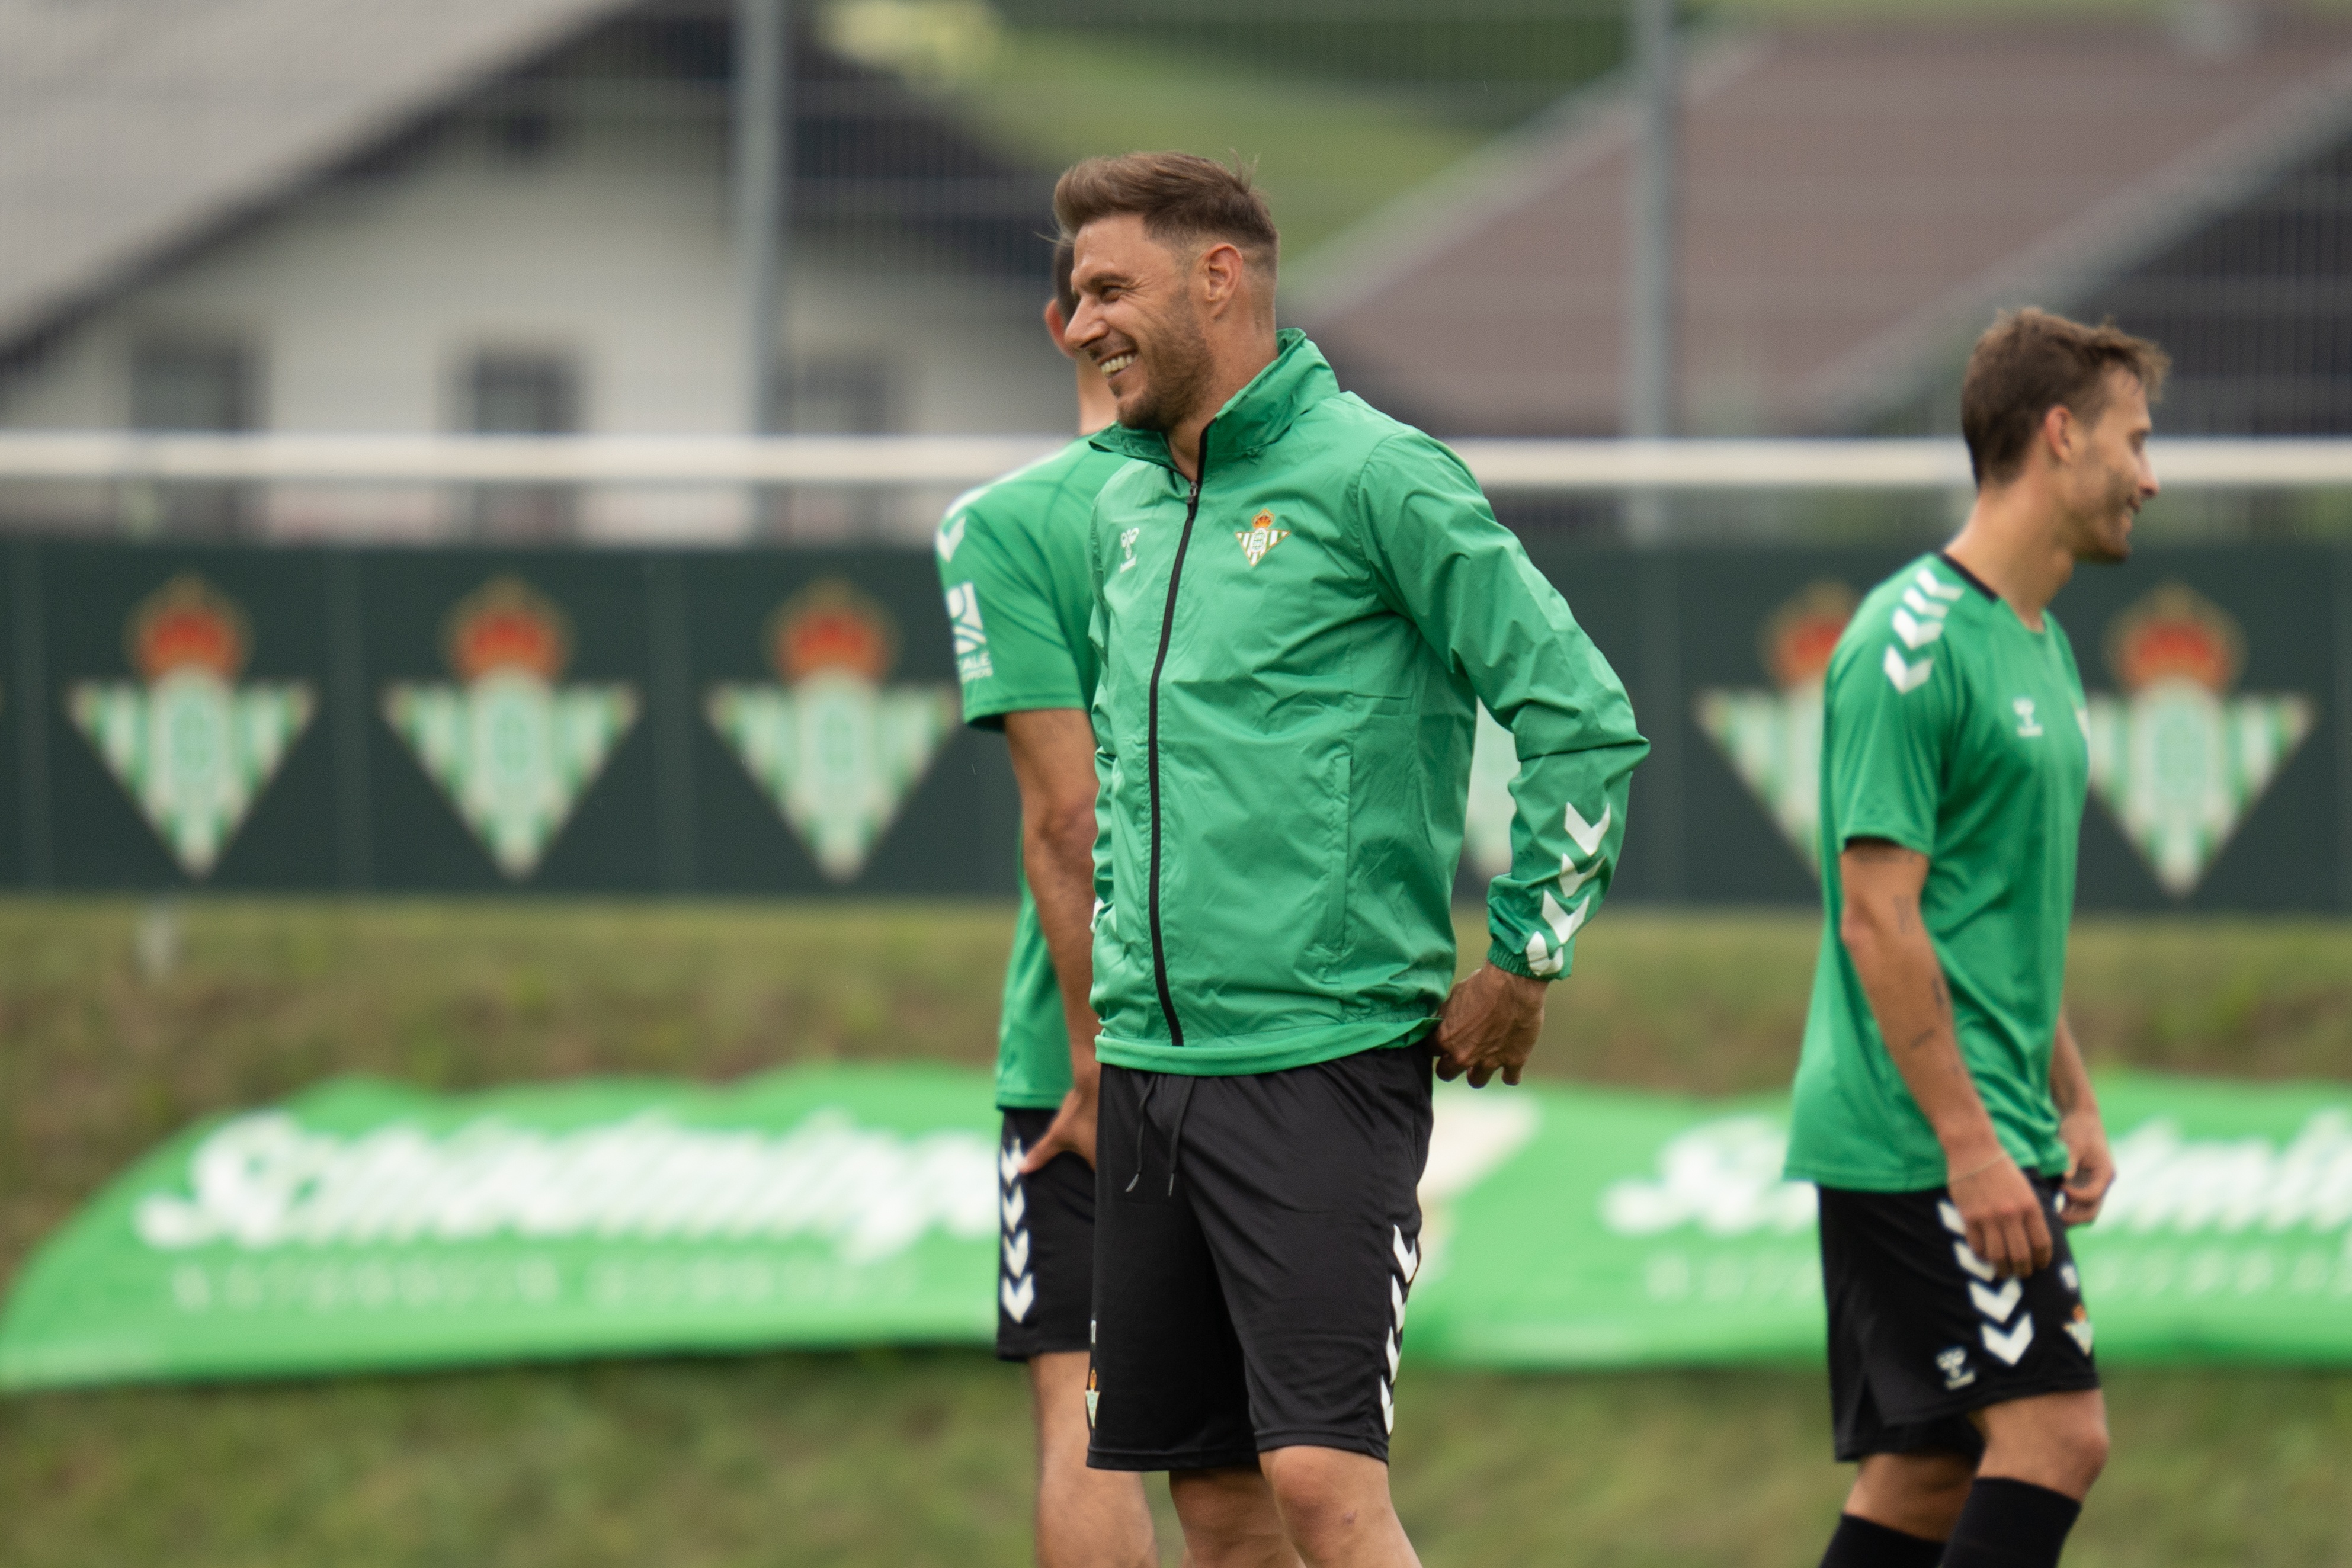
column 837, row 753
column 193, row 750
column 1773, row 741
column 513, row 754
column 2180, row 767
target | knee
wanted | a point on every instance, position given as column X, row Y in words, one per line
column 2061, row 1443
column 1329, row 1501
column 2086, row 1448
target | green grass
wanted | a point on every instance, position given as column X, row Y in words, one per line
column 908, row 1458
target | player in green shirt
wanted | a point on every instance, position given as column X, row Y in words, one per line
column 1941, row 1105
column 1012, row 563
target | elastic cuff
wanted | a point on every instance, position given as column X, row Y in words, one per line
column 1512, row 963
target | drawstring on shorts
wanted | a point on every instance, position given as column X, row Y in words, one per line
column 1175, row 1128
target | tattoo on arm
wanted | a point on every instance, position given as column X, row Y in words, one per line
column 1943, row 998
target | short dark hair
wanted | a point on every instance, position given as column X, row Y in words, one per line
column 1178, row 196
column 2030, row 362
column 1065, row 255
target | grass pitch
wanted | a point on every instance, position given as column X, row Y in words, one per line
column 922, row 1458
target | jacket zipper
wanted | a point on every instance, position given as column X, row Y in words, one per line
column 1151, row 745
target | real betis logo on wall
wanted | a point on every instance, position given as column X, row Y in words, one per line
column 2177, row 760
column 513, row 751
column 194, row 748
column 1773, row 738
column 837, row 751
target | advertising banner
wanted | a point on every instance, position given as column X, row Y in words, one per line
column 363, row 1227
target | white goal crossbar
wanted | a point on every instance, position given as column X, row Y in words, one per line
column 1516, row 466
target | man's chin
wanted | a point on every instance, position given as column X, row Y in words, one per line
column 2112, row 549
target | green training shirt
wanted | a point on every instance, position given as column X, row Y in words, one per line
column 1950, row 729
column 1012, row 561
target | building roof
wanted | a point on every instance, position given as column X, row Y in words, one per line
column 131, row 126
column 1854, row 202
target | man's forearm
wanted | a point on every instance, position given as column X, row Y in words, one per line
column 1909, row 996
column 1061, row 870
column 2070, row 1081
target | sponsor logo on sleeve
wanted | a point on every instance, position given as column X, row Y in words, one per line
column 972, row 663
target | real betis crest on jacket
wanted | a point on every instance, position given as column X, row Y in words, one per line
column 194, row 748
column 2176, row 759
column 511, row 750
column 833, row 748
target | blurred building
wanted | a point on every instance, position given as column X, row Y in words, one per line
column 514, row 216
column 503, row 216
column 1855, row 204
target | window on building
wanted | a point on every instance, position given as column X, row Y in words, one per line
column 523, row 394
column 180, row 383
column 510, row 392
column 194, row 383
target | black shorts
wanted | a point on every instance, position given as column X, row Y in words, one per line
column 1258, row 1235
column 1045, row 1252
column 1921, row 1332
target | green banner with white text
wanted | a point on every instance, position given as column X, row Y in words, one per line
column 363, row 1226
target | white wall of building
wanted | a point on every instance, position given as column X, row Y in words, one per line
column 364, row 300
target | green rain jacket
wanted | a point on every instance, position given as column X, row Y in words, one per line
column 1291, row 653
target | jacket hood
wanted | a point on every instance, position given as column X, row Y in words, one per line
column 1253, row 418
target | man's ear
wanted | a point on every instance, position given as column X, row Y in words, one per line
column 1221, row 269
column 1057, row 327
column 2062, row 432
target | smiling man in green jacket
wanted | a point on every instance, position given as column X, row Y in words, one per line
column 1299, row 604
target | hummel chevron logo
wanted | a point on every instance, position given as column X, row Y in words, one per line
column 1968, row 1259
column 1906, row 678
column 1951, row 1215
column 949, row 537
column 1563, row 924
column 1944, row 590
column 1016, row 1253
column 1587, row 835
column 1997, row 1304
column 1260, row 537
column 1016, row 1206
column 1008, row 1164
column 2010, row 1345
column 1924, row 605
column 1408, row 1256
column 1915, row 634
column 1017, row 1302
column 2079, row 1331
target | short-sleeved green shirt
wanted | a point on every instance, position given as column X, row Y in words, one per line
column 1012, row 561
column 1951, row 729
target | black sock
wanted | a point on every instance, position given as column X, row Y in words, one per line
column 2011, row 1524
column 1859, row 1543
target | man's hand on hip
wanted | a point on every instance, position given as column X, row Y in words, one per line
column 1072, row 1131
column 1489, row 1026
